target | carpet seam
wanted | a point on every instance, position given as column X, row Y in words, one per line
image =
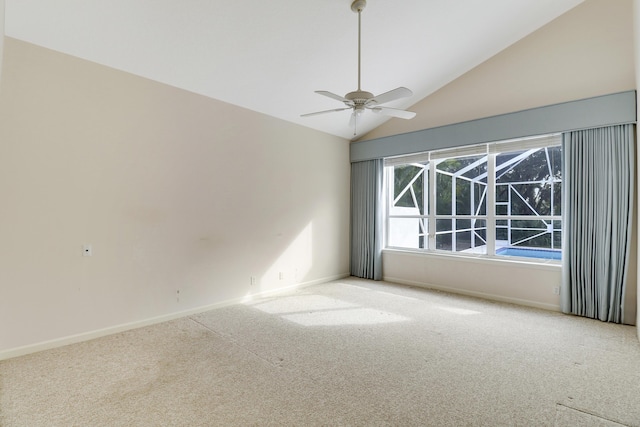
column 593, row 414
column 235, row 343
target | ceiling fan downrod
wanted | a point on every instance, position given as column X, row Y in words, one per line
column 359, row 97
column 358, row 6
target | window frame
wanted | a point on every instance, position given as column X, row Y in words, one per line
column 428, row 236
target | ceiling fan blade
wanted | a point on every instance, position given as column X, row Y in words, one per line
column 324, row 112
column 332, row 95
column 392, row 95
column 394, row 112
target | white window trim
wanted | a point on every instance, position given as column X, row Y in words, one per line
column 491, row 150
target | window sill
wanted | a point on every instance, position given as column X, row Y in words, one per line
column 543, row 264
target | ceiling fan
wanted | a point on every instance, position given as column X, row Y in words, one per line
column 360, row 100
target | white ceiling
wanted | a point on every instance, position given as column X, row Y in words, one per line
column 270, row 56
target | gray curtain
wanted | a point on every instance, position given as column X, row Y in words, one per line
column 598, row 176
column 366, row 219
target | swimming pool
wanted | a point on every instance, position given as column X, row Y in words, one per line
column 530, row 253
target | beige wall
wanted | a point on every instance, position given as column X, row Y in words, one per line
column 587, row 52
column 584, row 53
column 534, row 285
column 174, row 191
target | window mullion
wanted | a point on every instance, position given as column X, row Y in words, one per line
column 454, row 197
column 426, row 203
column 432, row 205
column 389, row 174
column 491, row 204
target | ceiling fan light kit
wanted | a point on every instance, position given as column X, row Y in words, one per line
column 360, row 100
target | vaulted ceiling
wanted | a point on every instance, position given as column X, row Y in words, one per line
column 270, row 56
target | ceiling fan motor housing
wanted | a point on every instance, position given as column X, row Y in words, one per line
column 359, row 97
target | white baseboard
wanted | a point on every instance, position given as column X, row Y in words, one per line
column 86, row 336
column 476, row 294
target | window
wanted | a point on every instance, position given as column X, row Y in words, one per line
column 438, row 200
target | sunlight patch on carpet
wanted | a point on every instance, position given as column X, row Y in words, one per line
column 319, row 310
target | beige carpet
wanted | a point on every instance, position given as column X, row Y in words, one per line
column 350, row 352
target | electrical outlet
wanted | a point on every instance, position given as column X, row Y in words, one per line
column 177, row 295
column 556, row 290
column 281, row 276
column 252, row 280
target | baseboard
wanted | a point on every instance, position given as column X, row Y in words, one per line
column 86, row 336
column 483, row 295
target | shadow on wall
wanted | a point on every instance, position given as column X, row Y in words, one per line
column 292, row 266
